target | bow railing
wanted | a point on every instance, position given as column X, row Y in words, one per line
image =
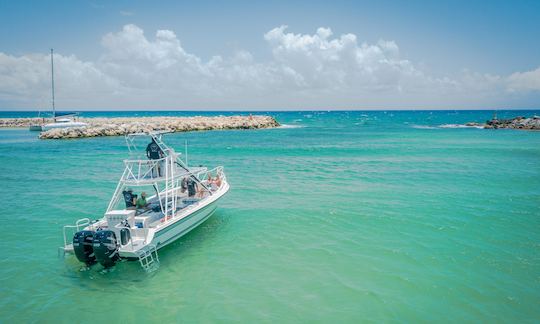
column 216, row 174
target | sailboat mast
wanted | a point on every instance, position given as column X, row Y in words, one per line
column 52, row 82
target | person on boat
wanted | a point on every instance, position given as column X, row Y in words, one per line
column 129, row 198
column 217, row 181
column 183, row 185
column 202, row 190
column 191, row 187
column 141, row 202
column 210, row 181
column 213, row 183
column 154, row 152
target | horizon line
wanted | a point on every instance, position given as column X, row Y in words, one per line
column 270, row 110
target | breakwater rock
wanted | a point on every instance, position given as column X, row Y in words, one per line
column 524, row 123
column 529, row 123
column 121, row 126
column 23, row 122
column 126, row 125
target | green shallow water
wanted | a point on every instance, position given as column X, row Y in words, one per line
column 354, row 216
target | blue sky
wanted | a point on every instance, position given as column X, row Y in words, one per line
column 451, row 47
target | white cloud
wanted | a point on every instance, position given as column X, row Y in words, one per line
column 525, row 81
column 25, row 81
column 306, row 71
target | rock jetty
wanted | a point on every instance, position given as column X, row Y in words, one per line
column 23, row 122
column 126, row 125
column 528, row 123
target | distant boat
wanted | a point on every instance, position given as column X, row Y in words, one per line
column 64, row 122
column 38, row 127
column 68, row 119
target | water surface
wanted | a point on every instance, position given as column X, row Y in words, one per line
column 379, row 216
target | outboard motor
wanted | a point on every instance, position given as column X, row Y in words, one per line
column 106, row 248
column 82, row 246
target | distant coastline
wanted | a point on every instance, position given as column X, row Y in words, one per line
column 151, row 112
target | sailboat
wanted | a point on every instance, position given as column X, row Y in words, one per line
column 68, row 118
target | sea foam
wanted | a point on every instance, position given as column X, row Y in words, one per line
column 423, row 127
column 290, row 126
column 460, row 126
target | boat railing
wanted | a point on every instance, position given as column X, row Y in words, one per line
column 147, row 169
column 216, row 172
column 81, row 223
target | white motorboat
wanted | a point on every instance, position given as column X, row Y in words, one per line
column 64, row 122
column 183, row 198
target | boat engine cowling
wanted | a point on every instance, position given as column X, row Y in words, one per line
column 83, row 247
column 106, row 248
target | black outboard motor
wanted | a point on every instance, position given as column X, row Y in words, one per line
column 106, row 248
column 82, row 246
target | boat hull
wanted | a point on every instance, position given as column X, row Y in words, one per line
column 180, row 227
column 63, row 125
column 184, row 226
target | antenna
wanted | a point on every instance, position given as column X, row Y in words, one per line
column 185, row 149
column 52, row 82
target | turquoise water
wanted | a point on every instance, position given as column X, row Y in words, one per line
column 346, row 216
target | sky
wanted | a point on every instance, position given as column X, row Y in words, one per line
column 270, row 55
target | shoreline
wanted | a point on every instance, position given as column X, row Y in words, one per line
column 118, row 126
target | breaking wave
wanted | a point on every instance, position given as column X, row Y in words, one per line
column 291, row 126
column 460, row 126
column 423, row 127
